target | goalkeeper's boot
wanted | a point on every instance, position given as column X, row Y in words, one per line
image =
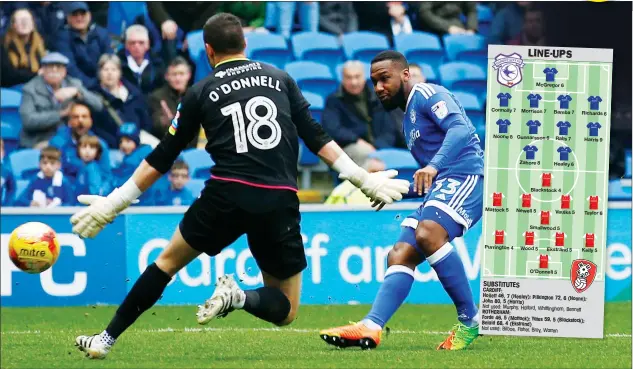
column 460, row 338
column 226, row 295
column 94, row 346
column 355, row 334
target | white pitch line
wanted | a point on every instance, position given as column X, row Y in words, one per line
column 281, row 330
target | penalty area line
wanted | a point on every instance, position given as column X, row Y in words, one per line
column 248, row 330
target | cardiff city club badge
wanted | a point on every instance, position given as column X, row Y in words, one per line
column 583, row 273
column 509, row 69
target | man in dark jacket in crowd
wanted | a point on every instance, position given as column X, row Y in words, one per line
column 139, row 65
column 354, row 117
column 82, row 42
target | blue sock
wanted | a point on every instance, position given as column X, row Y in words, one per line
column 450, row 271
column 394, row 289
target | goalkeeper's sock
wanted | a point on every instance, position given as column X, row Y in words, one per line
column 392, row 293
column 267, row 303
column 143, row 295
column 450, row 271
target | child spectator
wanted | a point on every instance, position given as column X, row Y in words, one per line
column 8, row 181
column 133, row 152
column 176, row 193
column 50, row 188
column 91, row 179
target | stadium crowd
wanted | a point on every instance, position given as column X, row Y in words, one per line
column 96, row 88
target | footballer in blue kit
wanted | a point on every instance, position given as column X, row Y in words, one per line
column 443, row 141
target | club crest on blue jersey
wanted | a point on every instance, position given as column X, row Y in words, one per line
column 509, row 69
column 412, row 116
column 174, row 122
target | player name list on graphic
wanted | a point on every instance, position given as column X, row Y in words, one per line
column 543, row 262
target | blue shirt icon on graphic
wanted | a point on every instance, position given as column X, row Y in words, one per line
column 534, row 100
column 563, row 128
column 593, row 129
column 550, row 74
column 594, row 102
column 564, row 152
column 530, row 150
column 533, row 124
column 564, row 101
column 503, row 125
column 504, row 99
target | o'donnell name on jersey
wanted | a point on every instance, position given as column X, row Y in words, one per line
column 246, row 82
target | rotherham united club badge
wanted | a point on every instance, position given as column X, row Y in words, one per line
column 509, row 69
column 583, row 272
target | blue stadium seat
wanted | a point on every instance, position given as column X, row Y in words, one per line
column 618, row 191
column 116, row 157
column 313, row 77
column 318, row 47
column 399, row 159
column 195, row 44
column 20, row 186
column 317, row 103
column 467, row 48
column 461, row 76
column 17, row 87
column 429, row 73
column 268, row 48
column 366, row 66
column 10, row 135
column 484, row 15
column 199, row 163
column 122, row 14
column 203, row 68
column 10, row 106
column 627, row 164
column 473, row 108
column 25, row 163
column 364, row 45
column 195, row 186
column 420, row 48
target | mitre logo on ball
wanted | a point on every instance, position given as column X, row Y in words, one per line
column 509, row 69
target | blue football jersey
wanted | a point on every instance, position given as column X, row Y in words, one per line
column 438, row 132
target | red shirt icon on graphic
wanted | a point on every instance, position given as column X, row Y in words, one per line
column 593, row 202
column 497, row 198
column 543, row 261
column 589, row 239
column 529, row 238
column 526, row 200
column 546, row 179
column 565, row 201
column 560, row 238
column 499, row 237
column 545, row 217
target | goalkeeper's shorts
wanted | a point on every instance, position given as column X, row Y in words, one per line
column 455, row 202
column 216, row 220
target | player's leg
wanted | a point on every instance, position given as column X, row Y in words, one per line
column 402, row 260
column 446, row 216
column 143, row 295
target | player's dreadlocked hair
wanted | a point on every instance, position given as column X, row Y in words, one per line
column 224, row 33
column 392, row 55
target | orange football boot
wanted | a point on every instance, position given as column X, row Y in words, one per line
column 354, row 334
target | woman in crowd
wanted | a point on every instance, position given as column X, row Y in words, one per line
column 22, row 50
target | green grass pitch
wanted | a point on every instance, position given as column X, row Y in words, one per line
column 168, row 337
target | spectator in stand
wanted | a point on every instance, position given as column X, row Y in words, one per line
column 337, row 17
column 175, row 193
column 49, row 18
column 252, row 14
column 67, row 140
column 122, row 102
column 46, row 101
column 507, row 22
column 22, row 50
column 443, row 17
column 139, row 65
column 164, row 101
column 7, row 181
column 133, row 152
column 355, row 118
column 49, row 188
column 92, row 179
column 280, row 15
column 83, row 42
column 533, row 33
column 389, row 18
